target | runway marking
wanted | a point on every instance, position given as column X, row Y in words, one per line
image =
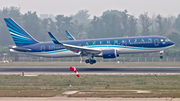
column 69, row 92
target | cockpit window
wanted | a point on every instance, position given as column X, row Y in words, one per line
column 167, row 40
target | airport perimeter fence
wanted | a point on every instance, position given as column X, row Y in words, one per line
column 77, row 59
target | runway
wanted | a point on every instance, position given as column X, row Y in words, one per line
column 92, row 70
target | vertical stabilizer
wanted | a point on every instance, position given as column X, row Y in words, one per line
column 19, row 35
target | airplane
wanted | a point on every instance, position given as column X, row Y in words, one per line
column 105, row 47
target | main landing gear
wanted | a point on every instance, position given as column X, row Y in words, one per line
column 90, row 60
column 161, row 53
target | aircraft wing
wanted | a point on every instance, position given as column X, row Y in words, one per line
column 83, row 50
column 70, row 36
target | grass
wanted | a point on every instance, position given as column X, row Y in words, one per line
column 97, row 85
column 98, row 64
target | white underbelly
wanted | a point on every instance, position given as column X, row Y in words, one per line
column 55, row 54
column 58, row 53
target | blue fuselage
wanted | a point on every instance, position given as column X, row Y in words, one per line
column 123, row 45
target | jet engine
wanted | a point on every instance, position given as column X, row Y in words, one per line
column 110, row 53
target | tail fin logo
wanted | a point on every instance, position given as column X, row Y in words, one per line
column 20, row 36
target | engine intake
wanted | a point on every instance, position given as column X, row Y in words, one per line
column 109, row 53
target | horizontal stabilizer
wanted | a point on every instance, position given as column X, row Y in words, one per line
column 20, row 49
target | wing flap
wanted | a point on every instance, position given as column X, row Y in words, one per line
column 84, row 49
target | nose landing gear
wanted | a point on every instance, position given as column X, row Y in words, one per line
column 161, row 57
column 161, row 53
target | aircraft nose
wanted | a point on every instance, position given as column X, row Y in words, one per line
column 171, row 43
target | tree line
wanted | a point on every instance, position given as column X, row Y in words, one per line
column 112, row 23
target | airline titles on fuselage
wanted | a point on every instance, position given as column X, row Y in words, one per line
column 109, row 42
column 119, row 42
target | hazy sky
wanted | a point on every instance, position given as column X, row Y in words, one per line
column 96, row 7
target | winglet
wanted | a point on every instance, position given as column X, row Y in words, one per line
column 70, row 36
column 54, row 39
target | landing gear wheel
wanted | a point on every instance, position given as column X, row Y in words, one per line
column 91, row 62
column 94, row 61
column 87, row 61
column 161, row 57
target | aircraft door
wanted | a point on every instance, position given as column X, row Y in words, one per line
column 156, row 42
column 42, row 48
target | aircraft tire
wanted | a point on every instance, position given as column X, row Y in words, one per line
column 91, row 62
column 94, row 61
column 161, row 57
column 87, row 61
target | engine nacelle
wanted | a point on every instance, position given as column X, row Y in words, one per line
column 111, row 53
